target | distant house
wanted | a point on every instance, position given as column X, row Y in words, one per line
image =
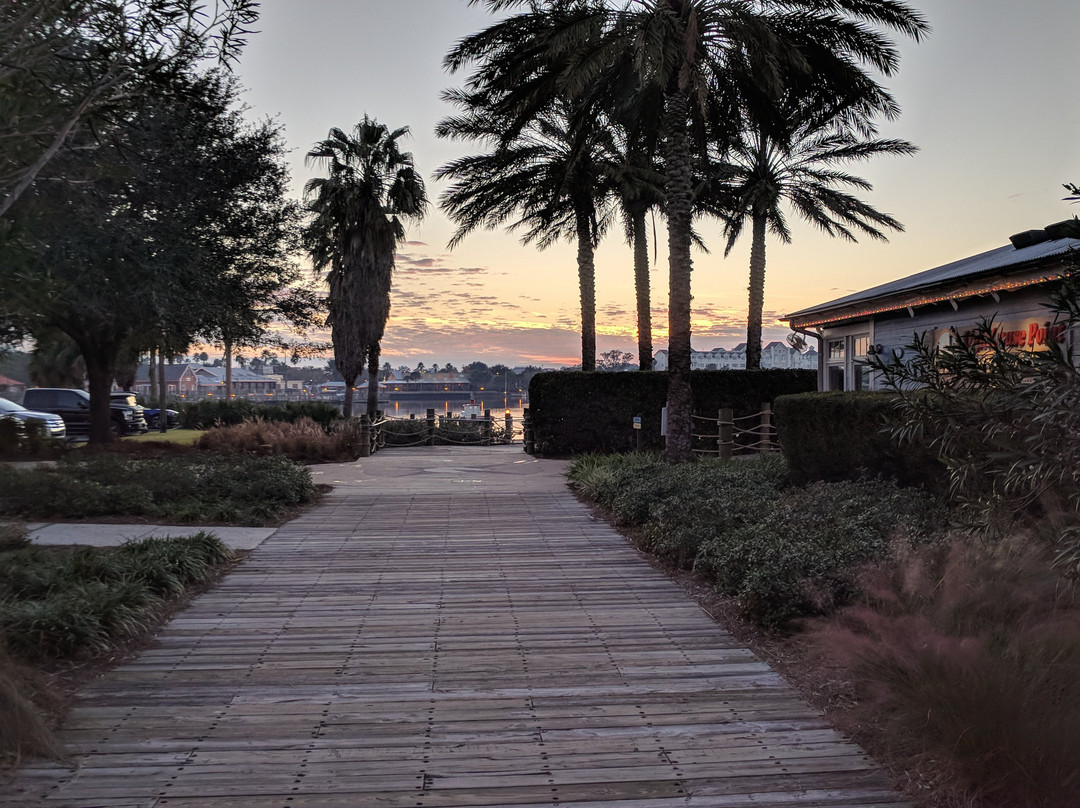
column 773, row 355
column 245, row 383
column 12, row 389
column 180, row 380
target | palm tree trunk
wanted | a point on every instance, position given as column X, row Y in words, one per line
column 587, row 284
column 151, row 363
column 373, row 381
column 228, row 369
column 642, row 292
column 757, row 294
column 347, row 402
column 680, row 212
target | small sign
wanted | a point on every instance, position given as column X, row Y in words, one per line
column 637, row 422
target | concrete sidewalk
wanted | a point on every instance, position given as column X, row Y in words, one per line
column 449, row 628
column 107, row 535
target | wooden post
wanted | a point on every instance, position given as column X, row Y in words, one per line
column 725, row 433
column 766, row 428
column 365, row 436
column 486, row 428
column 529, row 444
column 431, row 426
column 509, row 423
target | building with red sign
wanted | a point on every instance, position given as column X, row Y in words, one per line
column 1011, row 284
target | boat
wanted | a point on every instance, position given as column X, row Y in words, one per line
column 471, row 410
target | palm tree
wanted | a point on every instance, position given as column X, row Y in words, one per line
column 549, row 180
column 684, row 49
column 357, row 212
column 789, row 152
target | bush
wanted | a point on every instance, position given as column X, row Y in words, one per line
column 1006, row 422
column 66, row 605
column 213, row 412
column 199, row 487
column 844, row 436
column 799, row 556
column 574, row 412
column 966, row 661
column 780, row 550
column 302, row 440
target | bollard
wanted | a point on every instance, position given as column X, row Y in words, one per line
column 431, row 426
column 766, row 428
column 724, row 434
column 529, row 443
column 365, row 436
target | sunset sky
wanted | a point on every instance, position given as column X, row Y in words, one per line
column 989, row 98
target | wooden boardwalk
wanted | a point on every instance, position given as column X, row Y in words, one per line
column 451, row 628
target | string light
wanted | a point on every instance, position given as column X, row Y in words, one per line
column 1001, row 286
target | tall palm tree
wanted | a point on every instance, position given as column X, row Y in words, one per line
column 791, row 152
column 357, row 220
column 684, row 48
column 549, row 182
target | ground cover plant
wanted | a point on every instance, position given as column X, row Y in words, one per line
column 185, row 488
column 780, row 550
column 60, row 607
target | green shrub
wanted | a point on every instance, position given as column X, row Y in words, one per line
column 782, row 551
column 800, row 554
column 196, row 487
column 575, row 412
column 844, row 436
column 213, row 412
column 70, row 604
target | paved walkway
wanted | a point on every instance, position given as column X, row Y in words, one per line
column 450, row 628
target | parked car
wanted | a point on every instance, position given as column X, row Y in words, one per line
column 126, row 398
column 172, row 418
column 74, row 407
column 53, row 425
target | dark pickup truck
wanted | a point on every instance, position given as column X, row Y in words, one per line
column 74, row 407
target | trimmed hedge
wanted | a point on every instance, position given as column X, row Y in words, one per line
column 213, row 412
column 844, row 435
column 574, row 412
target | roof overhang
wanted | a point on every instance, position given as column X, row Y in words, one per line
column 911, row 299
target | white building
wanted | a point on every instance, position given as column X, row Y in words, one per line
column 1010, row 284
column 773, row 355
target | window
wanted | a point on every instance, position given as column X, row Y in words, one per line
column 845, row 362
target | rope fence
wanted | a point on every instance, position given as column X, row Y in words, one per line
column 747, row 434
column 435, row 430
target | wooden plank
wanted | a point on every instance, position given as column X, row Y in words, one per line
column 415, row 643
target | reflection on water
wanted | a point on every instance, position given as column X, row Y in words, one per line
column 419, row 407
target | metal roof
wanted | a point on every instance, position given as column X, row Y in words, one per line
column 1001, row 258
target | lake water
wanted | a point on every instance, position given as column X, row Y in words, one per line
column 419, row 407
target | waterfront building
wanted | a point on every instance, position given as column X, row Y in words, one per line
column 1011, row 284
